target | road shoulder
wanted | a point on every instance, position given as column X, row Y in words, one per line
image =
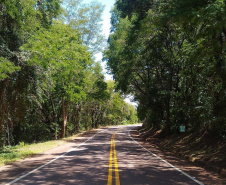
column 203, row 175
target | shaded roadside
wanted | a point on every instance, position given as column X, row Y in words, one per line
column 192, row 168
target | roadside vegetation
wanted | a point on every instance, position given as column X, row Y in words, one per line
column 50, row 85
column 23, row 150
column 14, row 153
column 199, row 148
column 171, row 55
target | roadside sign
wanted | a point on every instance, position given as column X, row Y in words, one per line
column 182, row 128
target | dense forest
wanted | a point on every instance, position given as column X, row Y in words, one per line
column 171, row 55
column 50, row 84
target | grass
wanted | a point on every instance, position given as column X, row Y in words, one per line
column 14, row 153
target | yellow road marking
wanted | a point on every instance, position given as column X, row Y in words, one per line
column 113, row 151
column 110, row 167
column 117, row 182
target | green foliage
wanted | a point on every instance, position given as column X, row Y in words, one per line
column 19, row 19
column 6, row 68
column 59, row 52
column 49, row 83
column 118, row 111
column 171, row 56
column 14, row 153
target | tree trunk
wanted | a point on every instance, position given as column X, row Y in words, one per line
column 100, row 115
column 92, row 116
column 2, row 112
column 78, row 117
column 87, row 118
column 1, row 131
column 64, row 115
column 168, row 124
column 168, row 99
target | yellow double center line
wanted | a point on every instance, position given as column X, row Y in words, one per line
column 113, row 155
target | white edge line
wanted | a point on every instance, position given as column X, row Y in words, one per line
column 42, row 166
column 192, row 178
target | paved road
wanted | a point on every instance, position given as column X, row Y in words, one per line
column 109, row 157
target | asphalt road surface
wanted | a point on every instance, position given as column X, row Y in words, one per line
column 110, row 156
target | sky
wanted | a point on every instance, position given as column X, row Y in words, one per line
column 106, row 31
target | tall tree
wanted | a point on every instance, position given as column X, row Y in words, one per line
column 87, row 18
column 171, row 56
column 18, row 20
column 60, row 53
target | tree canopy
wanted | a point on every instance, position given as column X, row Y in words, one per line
column 171, row 56
column 50, row 85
